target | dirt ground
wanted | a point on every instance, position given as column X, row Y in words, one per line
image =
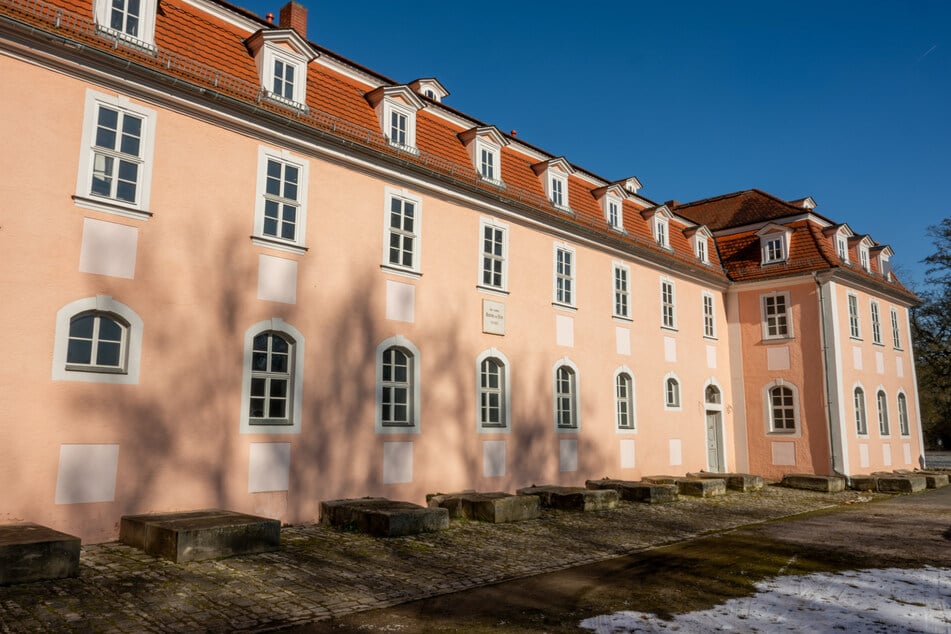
column 904, row 532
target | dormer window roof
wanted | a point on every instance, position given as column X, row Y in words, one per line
column 396, row 108
column 862, row 245
column 774, row 243
column 282, row 56
column 429, row 87
column 554, row 174
column 884, row 254
column 631, row 184
column 840, row 236
column 130, row 21
column 700, row 241
column 485, row 145
column 659, row 217
column 806, row 203
column 612, row 198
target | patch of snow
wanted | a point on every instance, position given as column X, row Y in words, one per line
column 858, row 602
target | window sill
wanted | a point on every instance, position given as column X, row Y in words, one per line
column 296, row 106
column 94, row 369
column 127, row 40
column 563, row 209
column 878, row 344
column 110, row 206
column 621, row 319
column 567, row 430
column 279, row 245
column 566, row 307
column 408, row 149
column 669, row 328
column 673, row 408
column 491, row 290
column 898, row 349
column 617, row 229
column 406, row 430
column 494, row 182
column 709, row 338
column 396, row 270
column 494, row 430
column 858, row 339
column 770, row 340
column 783, row 433
column 626, row 430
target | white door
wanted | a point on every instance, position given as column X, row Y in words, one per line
column 714, row 442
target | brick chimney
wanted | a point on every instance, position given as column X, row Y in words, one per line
column 294, row 16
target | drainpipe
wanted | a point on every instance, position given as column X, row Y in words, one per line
column 827, row 379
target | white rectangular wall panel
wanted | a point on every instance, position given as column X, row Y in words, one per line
column 622, row 340
column 108, row 248
column 277, row 279
column 269, row 466
column 675, row 447
column 493, row 458
column 906, row 449
column 777, row 358
column 493, row 317
column 899, row 367
column 887, row 455
column 564, row 331
column 856, row 357
column 784, row 453
column 627, row 453
column 87, row 473
column 863, row 456
column 397, row 462
column 400, row 301
column 879, row 362
column 670, row 349
column 711, row 357
column 567, row 455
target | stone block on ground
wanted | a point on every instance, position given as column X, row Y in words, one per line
column 863, row 483
column 935, row 479
column 647, row 492
column 743, row 482
column 31, row 552
column 902, row 484
column 810, row 482
column 382, row 517
column 198, row 535
column 573, row 498
column 496, row 507
column 696, row 487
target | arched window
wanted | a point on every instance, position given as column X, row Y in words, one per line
column 566, row 398
column 624, row 400
column 671, row 392
column 492, row 396
column 861, row 425
column 396, row 406
column 903, row 426
column 712, row 395
column 782, row 409
column 97, row 342
column 271, row 380
column 882, row 413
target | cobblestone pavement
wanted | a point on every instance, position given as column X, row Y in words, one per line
column 321, row 572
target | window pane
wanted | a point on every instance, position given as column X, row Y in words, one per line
column 81, row 326
column 278, row 409
column 257, row 408
column 79, row 351
column 258, row 387
column 108, row 353
column 278, row 388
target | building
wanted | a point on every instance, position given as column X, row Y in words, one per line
column 256, row 275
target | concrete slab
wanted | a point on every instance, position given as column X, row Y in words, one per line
column 573, row 498
column 496, row 507
column 382, row 517
column 31, row 552
column 935, row 479
column 637, row 491
column 902, row 484
column 696, row 487
column 198, row 535
column 863, row 483
column 743, row 482
column 809, row 482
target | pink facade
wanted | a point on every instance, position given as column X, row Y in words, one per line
column 258, row 301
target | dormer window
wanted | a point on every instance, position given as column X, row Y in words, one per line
column 612, row 198
column 613, row 213
column 884, row 254
column 774, row 243
column 863, row 257
column 429, row 87
column 659, row 217
column 842, row 248
column 485, row 148
column 282, row 57
column 555, row 179
column 840, row 234
column 862, row 245
column 701, row 250
column 131, row 21
column 700, row 240
column 396, row 108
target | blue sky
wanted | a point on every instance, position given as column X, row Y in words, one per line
column 847, row 102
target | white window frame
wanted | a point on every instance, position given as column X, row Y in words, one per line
column 875, row 313
column 904, row 424
column 506, row 401
column 566, row 295
column 128, row 373
column 855, row 324
column 273, row 53
column 614, row 212
column 896, row 330
column 864, row 259
column 146, row 36
column 480, row 146
column 702, row 249
column 673, row 392
column 860, row 411
column 502, row 261
column 774, row 248
column 417, row 233
column 709, row 315
column 842, row 248
column 558, row 202
column 770, row 418
column 297, row 245
column 84, row 197
column 391, row 106
column 668, row 309
column 295, row 414
column 766, row 316
column 574, row 397
column 881, row 407
column 630, row 400
column 661, row 227
column 398, row 341
column 621, row 291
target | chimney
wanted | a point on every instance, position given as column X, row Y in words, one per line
column 294, row 16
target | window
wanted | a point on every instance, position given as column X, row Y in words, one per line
column 622, row 293
column 283, row 86
column 397, row 387
column 861, row 425
column 115, row 164
column 661, row 226
column 712, row 396
column 396, row 108
column 854, row 331
column 131, row 21
column 492, row 396
column 876, row 324
column 842, row 248
column 709, row 317
column 614, row 211
column 494, row 260
column 702, row 250
column 668, row 307
column 280, row 208
column 773, row 250
column 566, row 398
column 776, row 319
column 564, row 276
column 401, row 247
column 671, row 393
column 903, row 425
column 487, row 161
column 272, row 383
column 281, row 57
column 782, row 409
column 624, row 400
column 98, row 340
column 896, row 333
column 553, row 174
column 558, row 190
column 398, row 128
column 882, row 402
column 863, row 257
column 485, row 149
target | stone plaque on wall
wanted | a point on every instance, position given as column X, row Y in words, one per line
column 493, row 317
